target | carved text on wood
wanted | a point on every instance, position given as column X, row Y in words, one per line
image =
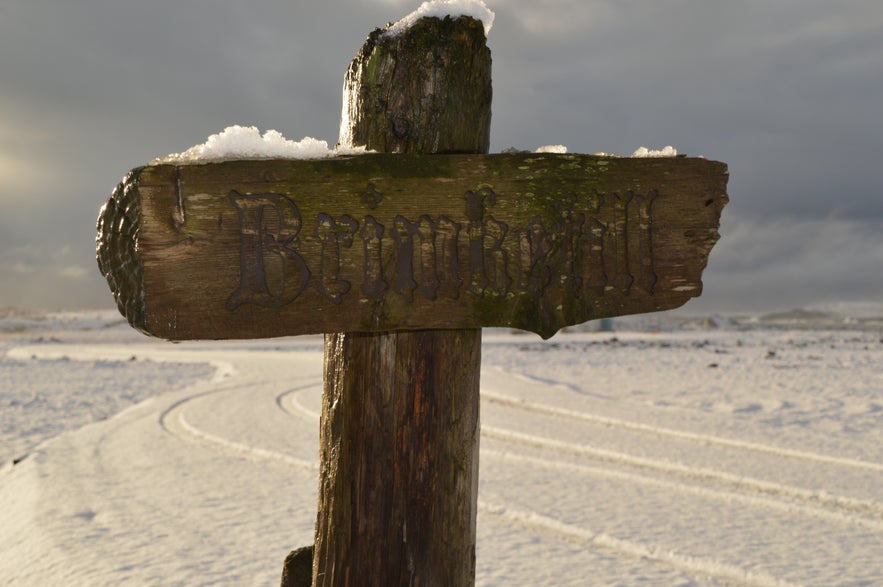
column 389, row 242
column 596, row 236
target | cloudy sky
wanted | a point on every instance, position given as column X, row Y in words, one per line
column 789, row 93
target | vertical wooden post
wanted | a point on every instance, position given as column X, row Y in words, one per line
column 400, row 418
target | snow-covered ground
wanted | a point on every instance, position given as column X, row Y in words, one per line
column 669, row 454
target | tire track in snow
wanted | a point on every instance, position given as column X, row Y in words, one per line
column 292, row 406
column 695, row 566
column 856, row 506
column 174, row 421
column 502, row 399
column 724, row 496
column 762, row 493
column 290, row 403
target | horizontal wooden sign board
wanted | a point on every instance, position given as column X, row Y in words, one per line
column 253, row 249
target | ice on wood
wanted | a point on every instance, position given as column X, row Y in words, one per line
column 247, row 142
column 443, row 8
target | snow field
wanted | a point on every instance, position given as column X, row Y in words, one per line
column 686, row 458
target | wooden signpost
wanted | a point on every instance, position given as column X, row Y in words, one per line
column 373, row 243
column 400, row 257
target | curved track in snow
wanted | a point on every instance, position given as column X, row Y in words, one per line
column 539, row 408
column 748, row 492
column 571, row 486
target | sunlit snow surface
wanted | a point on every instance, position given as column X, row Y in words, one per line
column 669, row 454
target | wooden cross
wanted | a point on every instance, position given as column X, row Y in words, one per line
column 400, row 258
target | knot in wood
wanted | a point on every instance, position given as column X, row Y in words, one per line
column 401, row 127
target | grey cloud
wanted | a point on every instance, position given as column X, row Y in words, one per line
column 787, row 93
column 788, row 262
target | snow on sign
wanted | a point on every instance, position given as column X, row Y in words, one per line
column 367, row 243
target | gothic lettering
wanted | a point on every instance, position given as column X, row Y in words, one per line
column 373, row 284
column 403, row 232
column 534, row 247
column 447, row 234
column 640, row 245
column 425, row 266
column 569, row 230
column 487, row 258
column 371, row 197
column 616, row 243
column 496, row 258
column 475, row 205
column 592, row 245
column 271, row 272
column 334, row 234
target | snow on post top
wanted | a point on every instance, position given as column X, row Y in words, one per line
column 246, row 142
column 476, row 9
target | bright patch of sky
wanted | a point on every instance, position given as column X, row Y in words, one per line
column 74, row 272
column 544, row 17
column 20, row 169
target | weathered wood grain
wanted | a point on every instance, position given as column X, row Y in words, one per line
column 398, row 490
column 119, row 226
column 248, row 249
